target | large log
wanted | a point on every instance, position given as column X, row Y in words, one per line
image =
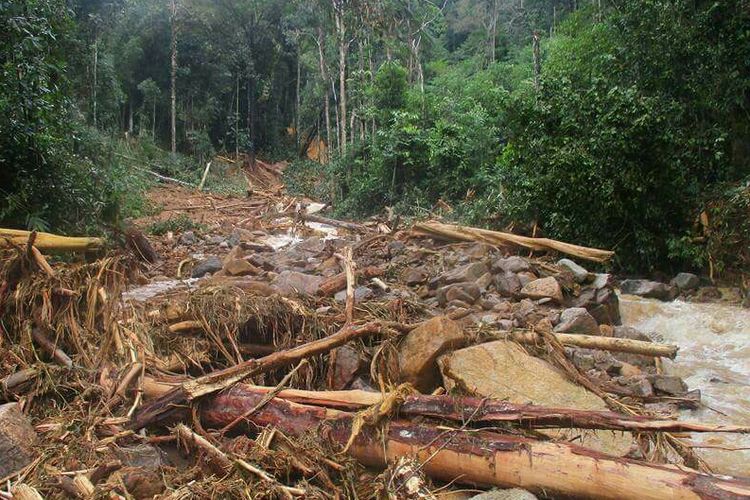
column 160, row 409
column 465, row 233
column 48, row 241
column 481, row 458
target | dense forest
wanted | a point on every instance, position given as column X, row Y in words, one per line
column 622, row 125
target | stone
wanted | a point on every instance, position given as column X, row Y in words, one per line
column 420, row 349
column 412, row 276
column 513, row 264
column 188, row 238
column 526, row 277
column 669, row 384
column 484, row 281
column 234, row 239
column 580, row 274
column 467, row 290
column 18, row 440
column 601, row 280
column 511, row 494
column 503, row 370
column 583, row 360
column 649, row 289
column 478, row 251
column 396, row 247
column 211, row 265
column 142, row 455
column 239, row 267
column 543, row 288
column 686, row 281
column 627, row 332
column 362, row 384
column 468, row 272
column 293, row 283
column 347, row 363
column 214, row 240
column 224, row 244
column 635, row 385
column 577, row 320
column 507, row 284
column 360, row 293
column 628, row 370
column 140, row 483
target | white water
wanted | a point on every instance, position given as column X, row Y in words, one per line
column 714, row 356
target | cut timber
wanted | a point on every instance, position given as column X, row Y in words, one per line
column 613, row 344
column 485, row 411
column 465, row 233
column 48, row 241
column 482, row 458
column 161, row 408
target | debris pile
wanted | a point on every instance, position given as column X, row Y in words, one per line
column 271, row 352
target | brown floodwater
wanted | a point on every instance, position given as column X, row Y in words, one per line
column 714, row 356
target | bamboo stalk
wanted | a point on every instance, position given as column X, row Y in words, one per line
column 48, row 241
column 613, row 344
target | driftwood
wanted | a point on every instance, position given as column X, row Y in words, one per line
column 161, row 408
column 337, row 283
column 464, row 233
column 478, row 457
column 48, row 241
column 613, row 344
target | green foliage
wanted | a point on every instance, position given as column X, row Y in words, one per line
column 177, row 224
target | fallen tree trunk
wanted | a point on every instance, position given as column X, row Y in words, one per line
column 488, row 411
column 613, row 344
column 478, row 457
column 465, row 233
column 48, row 241
column 337, row 283
column 161, row 408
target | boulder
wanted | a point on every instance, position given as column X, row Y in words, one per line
column 296, row 283
column 18, row 440
column 507, row 284
column 577, row 320
column 686, row 281
column 579, row 273
column 413, row 276
column 513, row 264
column 418, row 352
column 360, row 293
column 347, row 362
column 469, row 272
column 669, row 384
column 543, row 288
column 601, row 280
column 210, row 265
column 511, row 494
column 466, row 292
column 648, row 289
column 239, row 267
column 503, row 370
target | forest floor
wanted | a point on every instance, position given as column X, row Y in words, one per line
column 386, row 362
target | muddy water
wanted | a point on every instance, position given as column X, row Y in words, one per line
column 714, row 357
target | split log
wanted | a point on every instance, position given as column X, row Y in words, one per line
column 479, row 457
column 337, row 283
column 613, row 344
column 161, row 409
column 48, row 241
column 465, row 233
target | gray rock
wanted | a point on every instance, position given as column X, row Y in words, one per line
column 396, row 247
column 686, row 281
column 459, row 291
column 224, row 244
column 637, row 386
column 601, row 280
column 360, row 293
column 543, row 288
column 188, row 238
column 484, row 281
column 669, row 384
column 414, row 276
column 649, row 289
column 512, row 494
column 513, row 264
column 468, row 272
column 628, row 332
column 507, row 284
column 577, row 320
column 234, row 239
column 293, row 282
column 579, row 273
column 145, row 456
column 210, row 265
column 18, row 440
column 214, row 240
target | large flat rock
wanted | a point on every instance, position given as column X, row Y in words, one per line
column 503, row 370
